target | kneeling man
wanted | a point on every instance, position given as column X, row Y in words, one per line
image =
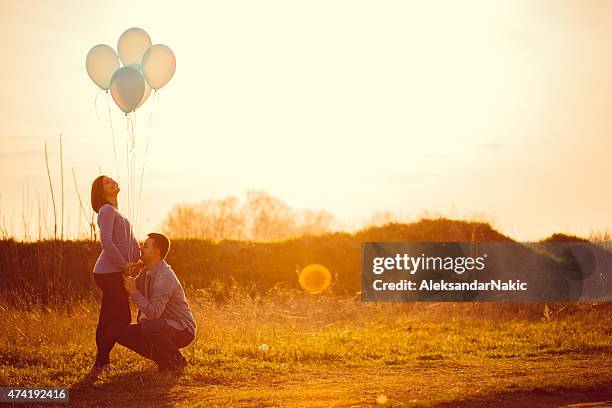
column 165, row 322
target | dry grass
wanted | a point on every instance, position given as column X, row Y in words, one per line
column 323, row 351
column 326, row 351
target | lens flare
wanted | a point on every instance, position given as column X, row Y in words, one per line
column 382, row 399
column 315, row 278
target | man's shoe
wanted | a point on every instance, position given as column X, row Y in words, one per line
column 177, row 366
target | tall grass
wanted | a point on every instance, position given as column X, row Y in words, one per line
column 52, row 194
column 62, row 269
column 56, row 270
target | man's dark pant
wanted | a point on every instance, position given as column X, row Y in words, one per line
column 158, row 341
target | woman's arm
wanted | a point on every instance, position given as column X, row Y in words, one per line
column 106, row 219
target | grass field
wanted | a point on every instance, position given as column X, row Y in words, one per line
column 327, row 351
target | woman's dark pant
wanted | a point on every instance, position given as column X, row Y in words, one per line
column 115, row 314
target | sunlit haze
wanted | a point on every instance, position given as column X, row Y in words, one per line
column 496, row 110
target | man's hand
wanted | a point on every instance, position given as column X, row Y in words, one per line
column 129, row 284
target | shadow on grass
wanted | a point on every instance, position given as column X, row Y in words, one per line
column 135, row 388
column 550, row 397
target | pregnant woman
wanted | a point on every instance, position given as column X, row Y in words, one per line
column 120, row 252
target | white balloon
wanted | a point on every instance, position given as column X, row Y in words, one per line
column 127, row 88
column 101, row 63
column 158, row 65
column 132, row 45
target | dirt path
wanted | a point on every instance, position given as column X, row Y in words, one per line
column 540, row 382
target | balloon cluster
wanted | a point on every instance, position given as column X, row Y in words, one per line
column 145, row 67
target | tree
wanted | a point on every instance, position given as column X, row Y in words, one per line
column 267, row 217
column 315, row 222
column 260, row 217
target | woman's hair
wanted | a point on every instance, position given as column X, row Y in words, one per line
column 98, row 199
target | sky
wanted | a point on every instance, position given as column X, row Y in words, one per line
column 479, row 109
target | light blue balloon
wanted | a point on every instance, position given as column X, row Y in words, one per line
column 127, row 88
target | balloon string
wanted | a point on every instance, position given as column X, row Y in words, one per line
column 134, row 123
column 110, row 121
column 127, row 163
column 135, row 151
column 130, row 132
column 144, row 162
column 131, row 159
column 96, row 104
column 152, row 108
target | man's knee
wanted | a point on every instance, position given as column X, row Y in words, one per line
column 185, row 339
column 129, row 335
column 125, row 320
column 154, row 327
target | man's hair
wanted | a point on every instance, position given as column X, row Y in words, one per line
column 98, row 199
column 161, row 242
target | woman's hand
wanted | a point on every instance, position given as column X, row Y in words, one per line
column 131, row 267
